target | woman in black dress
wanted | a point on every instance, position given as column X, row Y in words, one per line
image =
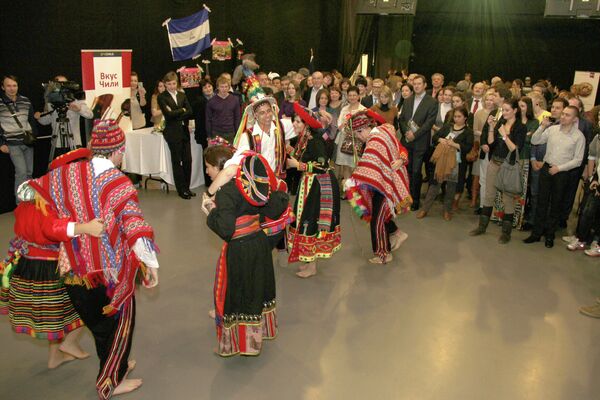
column 244, row 287
column 316, row 230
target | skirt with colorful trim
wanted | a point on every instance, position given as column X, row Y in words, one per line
column 38, row 303
column 316, row 231
column 243, row 334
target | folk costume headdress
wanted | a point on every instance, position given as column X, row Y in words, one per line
column 257, row 97
column 255, row 180
column 311, row 120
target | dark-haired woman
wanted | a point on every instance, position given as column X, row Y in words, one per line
column 344, row 162
column 316, row 231
column 325, row 116
column 292, row 95
column 531, row 123
column 503, row 139
column 456, row 140
column 244, row 289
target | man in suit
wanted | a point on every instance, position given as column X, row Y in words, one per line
column 177, row 110
column 310, row 96
column 437, row 84
column 372, row 99
column 416, row 120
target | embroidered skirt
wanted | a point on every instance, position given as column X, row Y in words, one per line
column 316, row 231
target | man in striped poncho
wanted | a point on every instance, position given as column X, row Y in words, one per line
column 378, row 188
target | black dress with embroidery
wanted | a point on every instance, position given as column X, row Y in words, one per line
column 245, row 281
column 316, row 230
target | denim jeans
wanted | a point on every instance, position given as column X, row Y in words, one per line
column 22, row 158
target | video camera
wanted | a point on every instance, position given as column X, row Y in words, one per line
column 60, row 94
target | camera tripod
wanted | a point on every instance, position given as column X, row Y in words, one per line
column 62, row 137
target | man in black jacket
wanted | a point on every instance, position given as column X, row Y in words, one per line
column 416, row 120
column 177, row 110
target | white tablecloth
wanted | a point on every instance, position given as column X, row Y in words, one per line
column 147, row 153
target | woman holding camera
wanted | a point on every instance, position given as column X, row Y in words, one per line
column 500, row 140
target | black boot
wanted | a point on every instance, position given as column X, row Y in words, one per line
column 506, row 229
column 484, row 220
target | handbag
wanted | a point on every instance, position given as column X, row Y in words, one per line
column 474, row 153
column 28, row 138
column 349, row 144
column 508, row 179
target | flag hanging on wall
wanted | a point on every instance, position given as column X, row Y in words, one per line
column 189, row 36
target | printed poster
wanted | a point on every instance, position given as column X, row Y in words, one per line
column 588, row 87
column 190, row 77
column 106, row 77
column 221, row 50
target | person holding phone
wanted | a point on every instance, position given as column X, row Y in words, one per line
column 138, row 100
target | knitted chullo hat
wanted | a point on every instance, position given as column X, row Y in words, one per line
column 364, row 118
column 107, row 137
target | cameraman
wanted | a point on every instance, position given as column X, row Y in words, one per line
column 75, row 109
column 14, row 106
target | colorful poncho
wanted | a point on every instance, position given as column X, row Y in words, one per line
column 109, row 260
column 374, row 172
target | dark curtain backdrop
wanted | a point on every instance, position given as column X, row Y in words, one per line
column 356, row 36
column 509, row 38
column 394, row 46
column 42, row 39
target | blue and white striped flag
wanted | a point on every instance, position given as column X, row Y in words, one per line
column 189, row 36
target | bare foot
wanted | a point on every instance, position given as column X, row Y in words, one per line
column 211, row 314
column 131, row 365
column 58, row 359
column 397, row 239
column 127, row 385
column 377, row 260
column 309, row 270
column 73, row 349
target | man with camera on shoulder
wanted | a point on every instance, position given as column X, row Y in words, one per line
column 64, row 115
column 18, row 129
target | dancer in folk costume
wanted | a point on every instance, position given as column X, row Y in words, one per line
column 244, row 290
column 316, row 231
column 263, row 132
column 37, row 302
column 100, row 272
column 378, row 189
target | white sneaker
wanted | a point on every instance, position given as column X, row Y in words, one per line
column 576, row 245
column 592, row 252
column 569, row 239
column 594, row 245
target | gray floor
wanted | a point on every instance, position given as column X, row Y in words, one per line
column 452, row 317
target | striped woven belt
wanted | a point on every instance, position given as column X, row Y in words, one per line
column 246, row 225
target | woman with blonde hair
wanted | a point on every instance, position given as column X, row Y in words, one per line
column 386, row 107
column 540, row 107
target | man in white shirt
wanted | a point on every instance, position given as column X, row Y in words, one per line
column 76, row 109
column 265, row 134
column 564, row 152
